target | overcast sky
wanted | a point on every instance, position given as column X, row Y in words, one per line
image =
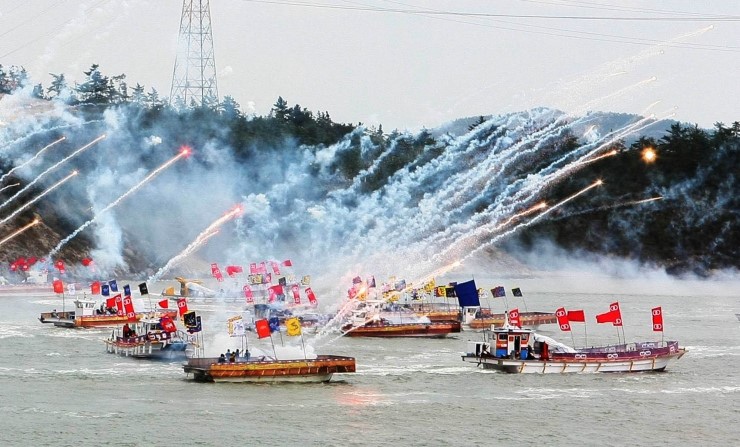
column 376, row 62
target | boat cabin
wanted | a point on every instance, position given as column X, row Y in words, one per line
column 505, row 342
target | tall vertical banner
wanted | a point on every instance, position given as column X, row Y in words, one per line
column 311, row 297
column 514, row 318
column 614, row 307
column 128, row 307
column 119, row 304
column 248, row 294
column 296, row 294
column 657, row 319
column 216, row 272
column 563, row 321
column 182, row 306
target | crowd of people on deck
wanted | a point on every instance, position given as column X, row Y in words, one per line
column 235, row 356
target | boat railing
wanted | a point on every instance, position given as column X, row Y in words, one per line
column 628, row 347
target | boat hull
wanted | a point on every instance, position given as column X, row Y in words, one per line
column 68, row 319
column 585, row 362
column 419, row 330
column 527, row 319
column 320, row 369
column 148, row 350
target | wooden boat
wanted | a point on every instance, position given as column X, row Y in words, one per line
column 319, row 369
column 148, row 341
column 516, row 350
column 370, row 320
column 484, row 320
column 86, row 314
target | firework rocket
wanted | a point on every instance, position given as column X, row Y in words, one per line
column 34, row 222
column 54, row 166
column 38, row 154
column 206, row 234
column 183, row 153
column 38, row 197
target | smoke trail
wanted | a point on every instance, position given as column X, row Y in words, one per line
column 38, row 154
column 206, row 234
column 8, row 186
column 38, row 197
column 534, row 219
column 54, row 166
column 167, row 164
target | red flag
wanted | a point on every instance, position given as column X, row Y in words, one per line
column 262, row 268
column 253, row 269
column 95, row 288
column 164, row 304
column 58, row 286
column 128, row 307
column 287, row 263
column 182, row 306
column 275, row 267
column 110, row 303
column 216, row 272
column 576, row 315
column 657, row 319
column 311, row 297
column 167, row 324
column 273, row 292
column 119, row 304
column 87, row 262
column 296, row 294
column 248, row 294
column 263, row 328
column 563, row 319
column 231, row 270
column 614, row 316
column 13, row 267
column 514, row 317
column 59, row 265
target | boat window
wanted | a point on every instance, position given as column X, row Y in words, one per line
column 502, row 337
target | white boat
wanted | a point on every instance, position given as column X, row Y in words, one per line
column 516, row 350
column 147, row 339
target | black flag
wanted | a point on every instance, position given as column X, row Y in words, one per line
column 517, row 291
column 143, row 289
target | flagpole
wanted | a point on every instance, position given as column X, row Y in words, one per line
column 525, row 306
column 273, row 347
column 572, row 337
column 585, row 334
column 305, row 356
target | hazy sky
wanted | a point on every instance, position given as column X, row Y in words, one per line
column 410, row 63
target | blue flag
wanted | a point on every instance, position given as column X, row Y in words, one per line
column 105, row 290
column 467, row 294
column 126, row 290
column 113, row 286
column 498, row 292
column 274, row 324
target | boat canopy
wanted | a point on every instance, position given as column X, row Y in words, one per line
column 554, row 345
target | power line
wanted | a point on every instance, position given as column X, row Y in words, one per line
column 703, row 18
column 510, row 26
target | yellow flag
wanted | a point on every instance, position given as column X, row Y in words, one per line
column 169, row 291
column 430, row 286
column 293, row 326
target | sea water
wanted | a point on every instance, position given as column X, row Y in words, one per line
column 59, row 387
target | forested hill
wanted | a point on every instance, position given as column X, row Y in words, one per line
column 347, row 194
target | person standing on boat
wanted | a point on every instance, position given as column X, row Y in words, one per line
column 126, row 331
column 222, row 359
